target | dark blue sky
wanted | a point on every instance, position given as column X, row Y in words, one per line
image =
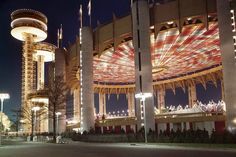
column 64, row 12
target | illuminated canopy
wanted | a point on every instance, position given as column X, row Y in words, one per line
column 174, row 54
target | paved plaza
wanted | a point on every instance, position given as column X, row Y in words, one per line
column 108, row 150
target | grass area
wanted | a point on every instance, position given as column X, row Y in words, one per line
column 200, row 145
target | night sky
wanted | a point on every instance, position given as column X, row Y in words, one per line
column 65, row 12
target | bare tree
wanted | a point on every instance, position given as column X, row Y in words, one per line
column 17, row 114
column 26, row 114
column 57, row 99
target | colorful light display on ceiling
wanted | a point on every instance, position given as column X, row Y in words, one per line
column 174, row 54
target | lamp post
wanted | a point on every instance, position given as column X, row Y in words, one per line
column 57, row 115
column 3, row 96
column 142, row 97
column 35, row 109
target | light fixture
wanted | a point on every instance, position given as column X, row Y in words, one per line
column 143, row 97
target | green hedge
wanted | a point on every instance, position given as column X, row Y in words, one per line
column 189, row 136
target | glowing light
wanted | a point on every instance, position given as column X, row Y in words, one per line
column 17, row 33
column 4, row 96
column 170, row 22
column 40, row 100
column 189, row 18
column 234, row 120
column 58, row 113
column 35, row 108
column 143, row 95
column 48, row 56
column 73, row 122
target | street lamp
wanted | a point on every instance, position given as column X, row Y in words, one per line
column 142, row 97
column 3, row 96
column 35, row 109
column 57, row 115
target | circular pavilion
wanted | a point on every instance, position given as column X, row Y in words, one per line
column 185, row 51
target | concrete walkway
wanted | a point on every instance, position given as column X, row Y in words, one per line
column 108, row 150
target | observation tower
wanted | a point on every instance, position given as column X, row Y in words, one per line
column 30, row 27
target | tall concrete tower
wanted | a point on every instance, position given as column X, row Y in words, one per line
column 86, row 79
column 143, row 64
column 226, row 17
column 29, row 26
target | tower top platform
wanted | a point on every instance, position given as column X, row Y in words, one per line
column 27, row 21
column 46, row 50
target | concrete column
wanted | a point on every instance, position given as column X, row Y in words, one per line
column 102, row 104
column 60, row 70
column 123, row 127
column 187, row 126
column 183, row 126
column 102, row 130
column 209, row 126
column 131, row 104
column 143, row 65
column 40, row 73
column 228, row 61
column 87, row 94
column 192, row 95
column 162, row 127
column 171, row 126
column 133, row 128
column 161, row 99
column 77, row 105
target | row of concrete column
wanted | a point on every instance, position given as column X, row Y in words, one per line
column 102, row 104
column 207, row 125
column 160, row 96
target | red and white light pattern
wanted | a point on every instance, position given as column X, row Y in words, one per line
column 180, row 53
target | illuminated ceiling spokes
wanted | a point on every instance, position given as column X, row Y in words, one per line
column 192, row 50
